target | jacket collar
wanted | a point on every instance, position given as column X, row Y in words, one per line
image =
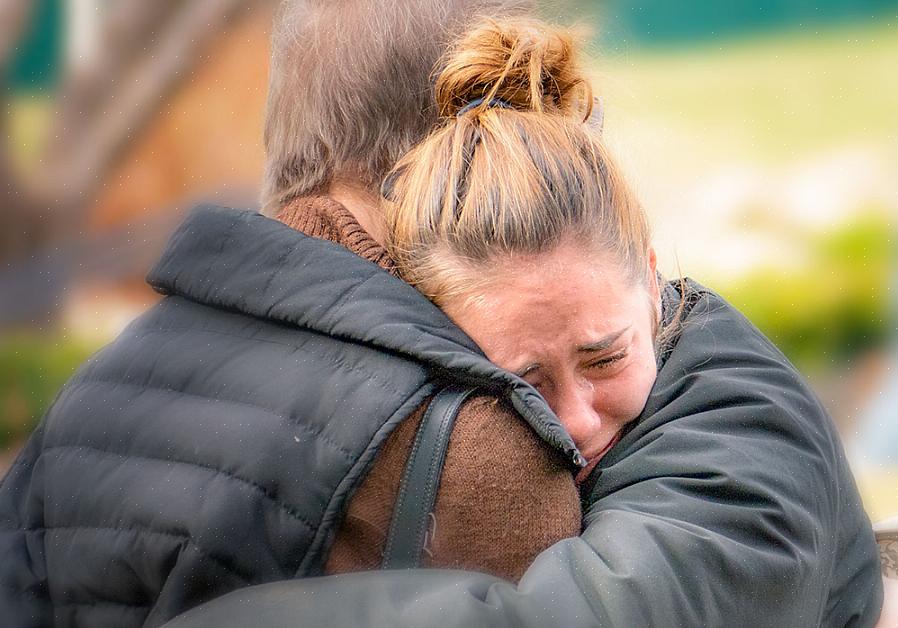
column 242, row 261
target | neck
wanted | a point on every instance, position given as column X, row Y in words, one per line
column 363, row 205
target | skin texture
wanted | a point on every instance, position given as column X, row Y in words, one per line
column 572, row 325
column 362, row 204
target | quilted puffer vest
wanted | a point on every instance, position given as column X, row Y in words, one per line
column 215, row 443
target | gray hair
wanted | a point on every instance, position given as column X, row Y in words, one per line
column 351, row 87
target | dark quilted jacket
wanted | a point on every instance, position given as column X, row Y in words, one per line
column 214, row 444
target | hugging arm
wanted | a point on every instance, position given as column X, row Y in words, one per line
column 731, row 538
column 24, row 596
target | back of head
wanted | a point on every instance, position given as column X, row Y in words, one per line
column 351, row 88
column 517, row 167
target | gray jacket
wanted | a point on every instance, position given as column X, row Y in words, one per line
column 214, row 444
column 729, row 503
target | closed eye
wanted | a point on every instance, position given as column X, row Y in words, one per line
column 531, row 375
column 605, row 362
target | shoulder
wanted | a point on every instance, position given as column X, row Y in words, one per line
column 724, row 380
column 504, row 482
column 722, row 350
column 730, row 418
column 502, row 441
column 504, row 496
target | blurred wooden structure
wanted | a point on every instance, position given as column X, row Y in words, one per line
column 167, row 110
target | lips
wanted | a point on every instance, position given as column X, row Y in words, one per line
column 595, row 458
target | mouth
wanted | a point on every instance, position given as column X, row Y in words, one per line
column 592, row 457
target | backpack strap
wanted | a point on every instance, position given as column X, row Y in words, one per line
column 421, row 480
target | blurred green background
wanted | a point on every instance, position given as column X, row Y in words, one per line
column 762, row 138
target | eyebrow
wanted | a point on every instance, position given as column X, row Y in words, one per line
column 602, row 344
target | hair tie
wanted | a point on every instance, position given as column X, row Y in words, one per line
column 495, row 102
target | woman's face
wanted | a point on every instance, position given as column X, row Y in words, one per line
column 571, row 324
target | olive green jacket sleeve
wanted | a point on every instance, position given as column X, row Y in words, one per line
column 729, row 503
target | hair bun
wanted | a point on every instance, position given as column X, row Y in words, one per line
column 524, row 63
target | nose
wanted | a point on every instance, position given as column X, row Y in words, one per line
column 576, row 409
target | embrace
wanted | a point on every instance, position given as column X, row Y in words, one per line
column 627, row 451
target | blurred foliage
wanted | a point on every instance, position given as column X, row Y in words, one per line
column 878, row 488
column 33, row 368
column 30, row 121
column 835, row 306
column 769, row 98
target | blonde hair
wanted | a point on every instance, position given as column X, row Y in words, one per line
column 517, row 173
column 351, row 87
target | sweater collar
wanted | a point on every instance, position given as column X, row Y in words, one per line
column 323, row 217
column 242, row 261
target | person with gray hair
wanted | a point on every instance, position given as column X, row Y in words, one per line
column 255, row 424
column 350, row 91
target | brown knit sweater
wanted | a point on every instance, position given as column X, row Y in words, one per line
column 503, row 497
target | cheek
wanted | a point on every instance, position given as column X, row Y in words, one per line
column 627, row 395
column 623, row 400
column 644, row 378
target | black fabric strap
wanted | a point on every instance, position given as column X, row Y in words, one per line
column 421, row 480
